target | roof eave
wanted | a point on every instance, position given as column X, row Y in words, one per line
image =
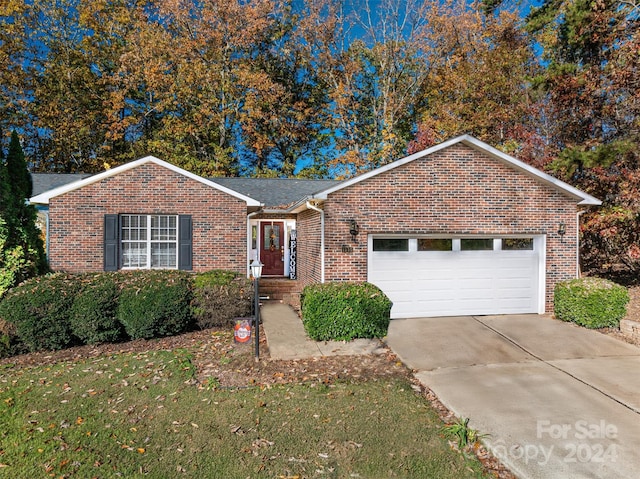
column 476, row 144
column 45, row 197
column 302, row 204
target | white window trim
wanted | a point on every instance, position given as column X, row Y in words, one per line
column 148, row 242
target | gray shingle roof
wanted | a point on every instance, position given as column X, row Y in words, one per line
column 47, row 181
column 271, row 192
column 274, row 192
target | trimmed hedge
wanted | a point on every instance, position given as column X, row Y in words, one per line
column 220, row 296
column 345, row 311
column 155, row 303
column 40, row 309
column 60, row 310
column 591, row 302
column 93, row 314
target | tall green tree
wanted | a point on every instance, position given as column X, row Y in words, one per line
column 21, row 249
column 19, row 176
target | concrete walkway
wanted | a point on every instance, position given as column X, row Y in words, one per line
column 287, row 338
column 558, row 401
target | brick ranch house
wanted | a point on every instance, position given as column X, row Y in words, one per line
column 457, row 229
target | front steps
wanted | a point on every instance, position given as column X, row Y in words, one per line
column 284, row 290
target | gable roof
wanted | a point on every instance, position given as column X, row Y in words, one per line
column 584, row 198
column 43, row 198
column 276, row 192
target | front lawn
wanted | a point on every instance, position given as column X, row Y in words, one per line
column 142, row 414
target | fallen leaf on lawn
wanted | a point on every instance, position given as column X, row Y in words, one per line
column 141, row 450
column 195, row 425
column 258, row 443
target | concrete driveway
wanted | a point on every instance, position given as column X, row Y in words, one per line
column 557, row 400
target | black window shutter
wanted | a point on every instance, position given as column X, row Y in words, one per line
column 111, row 231
column 185, row 243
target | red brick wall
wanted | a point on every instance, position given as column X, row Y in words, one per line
column 455, row 191
column 76, row 218
column 308, row 257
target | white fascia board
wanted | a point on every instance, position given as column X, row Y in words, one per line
column 303, row 204
column 476, row 144
column 44, row 198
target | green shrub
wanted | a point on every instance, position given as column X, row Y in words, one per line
column 155, row 303
column 39, row 308
column 344, row 311
column 93, row 314
column 220, row 296
column 591, row 302
column 10, row 343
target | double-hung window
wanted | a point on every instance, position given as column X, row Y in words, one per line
column 149, row 241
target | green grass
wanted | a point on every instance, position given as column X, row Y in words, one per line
column 138, row 415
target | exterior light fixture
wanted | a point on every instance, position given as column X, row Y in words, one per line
column 562, row 230
column 256, row 269
column 354, row 229
column 256, row 272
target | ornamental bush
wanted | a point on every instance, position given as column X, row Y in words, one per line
column 345, row 311
column 591, row 302
column 220, row 296
column 10, row 344
column 93, row 316
column 39, row 309
column 155, row 303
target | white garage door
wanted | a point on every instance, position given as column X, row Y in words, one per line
column 459, row 276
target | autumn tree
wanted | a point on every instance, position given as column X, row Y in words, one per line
column 479, row 80
column 182, row 85
column 370, row 59
column 285, row 108
column 593, row 87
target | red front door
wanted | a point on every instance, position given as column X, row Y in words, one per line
column 272, row 248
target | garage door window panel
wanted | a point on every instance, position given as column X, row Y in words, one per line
column 435, row 244
column 476, row 244
column 391, row 244
column 517, row 244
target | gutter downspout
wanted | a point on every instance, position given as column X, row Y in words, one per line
column 321, row 211
column 578, row 272
column 249, row 216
